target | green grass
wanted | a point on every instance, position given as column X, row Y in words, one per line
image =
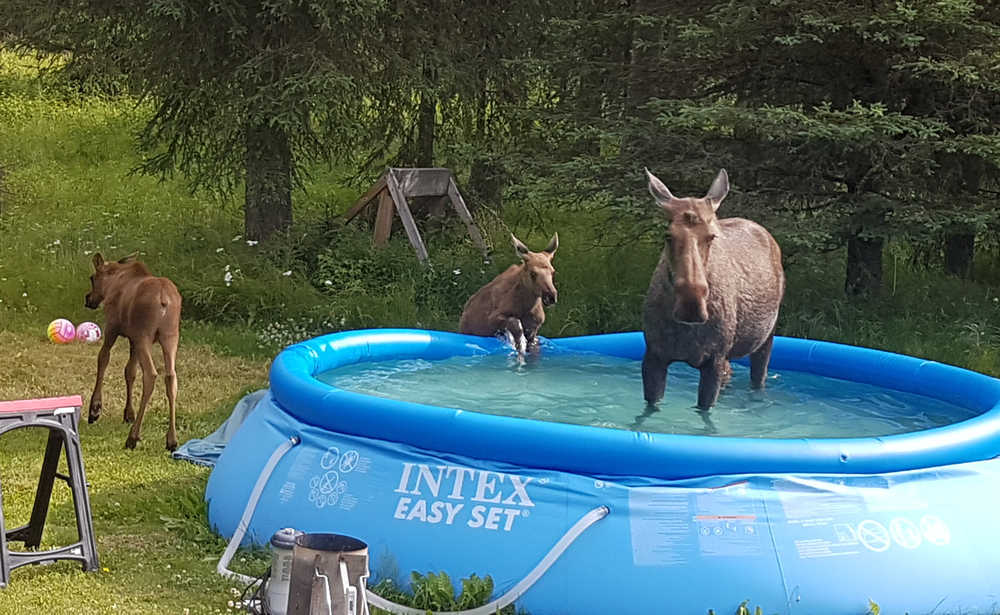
column 68, row 193
column 157, row 553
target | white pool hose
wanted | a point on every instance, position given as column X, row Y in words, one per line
column 241, row 529
column 518, row 590
column 373, row 599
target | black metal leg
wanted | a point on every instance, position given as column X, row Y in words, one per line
column 32, row 534
column 81, row 497
column 4, row 565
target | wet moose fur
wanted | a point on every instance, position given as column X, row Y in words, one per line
column 515, row 300
column 714, row 296
column 145, row 309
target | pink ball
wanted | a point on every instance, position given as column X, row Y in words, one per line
column 61, row 331
column 88, row 332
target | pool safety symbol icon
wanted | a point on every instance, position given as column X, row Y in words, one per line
column 905, row 533
column 326, row 489
column 873, row 535
column 935, row 530
column 329, row 458
column 845, row 533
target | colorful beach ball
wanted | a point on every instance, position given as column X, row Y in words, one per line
column 61, row 331
column 88, row 332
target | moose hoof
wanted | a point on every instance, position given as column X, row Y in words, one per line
column 131, row 442
column 95, row 412
column 129, row 416
column 172, row 446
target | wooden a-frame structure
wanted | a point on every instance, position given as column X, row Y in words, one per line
column 395, row 186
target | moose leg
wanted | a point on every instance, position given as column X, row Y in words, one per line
column 130, row 369
column 102, row 364
column 532, row 322
column 758, row 363
column 143, row 348
column 710, row 382
column 169, row 345
column 530, row 335
column 516, row 329
column 727, row 373
column 654, row 377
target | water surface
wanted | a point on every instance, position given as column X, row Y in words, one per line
column 605, row 391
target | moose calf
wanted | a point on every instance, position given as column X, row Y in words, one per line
column 515, row 300
column 145, row 309
column 714, row 295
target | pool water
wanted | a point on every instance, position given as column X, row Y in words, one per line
column 605, row 391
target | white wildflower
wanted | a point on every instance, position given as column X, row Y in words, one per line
column 287, row 273
column 251, row 242
column 457, row 271
column 218, row 250
column 327, row 283
column 237, row 238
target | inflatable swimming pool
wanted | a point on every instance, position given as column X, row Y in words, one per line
column 646, row 523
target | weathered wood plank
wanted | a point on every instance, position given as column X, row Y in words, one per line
column 404, row 214
column 423, row 182
column 463, row 212
column 386, row 214
column 364, row 200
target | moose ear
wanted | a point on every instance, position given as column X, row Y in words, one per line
column 719, row 189
column 98, row 260
column 522, row 250
column 128, row 259
column 553, row 245
column 657, row 188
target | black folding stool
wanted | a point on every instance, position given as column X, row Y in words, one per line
column 60, row 416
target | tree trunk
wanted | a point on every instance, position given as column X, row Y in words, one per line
column 963, row 175
column 427, row 118
column 959, row 249
column 643, row 80
column 864, row 266
column 268, row 205
column 486, row 173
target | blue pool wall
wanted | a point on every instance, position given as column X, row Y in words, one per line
column 696, row 523
column 589, row 450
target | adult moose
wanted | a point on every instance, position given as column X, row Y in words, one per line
column 714, row 295
column 515, row 300
column 145, row 309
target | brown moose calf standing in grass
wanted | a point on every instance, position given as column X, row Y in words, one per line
column 145, row 309
column 515, row 300
column 714, row 295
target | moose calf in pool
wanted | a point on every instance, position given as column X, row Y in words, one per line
column 714, row 295
column 145, row 309
column 515, row 300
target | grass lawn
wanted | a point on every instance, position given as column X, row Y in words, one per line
column 156, row 552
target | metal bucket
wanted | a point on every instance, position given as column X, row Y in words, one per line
column 328, row 575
